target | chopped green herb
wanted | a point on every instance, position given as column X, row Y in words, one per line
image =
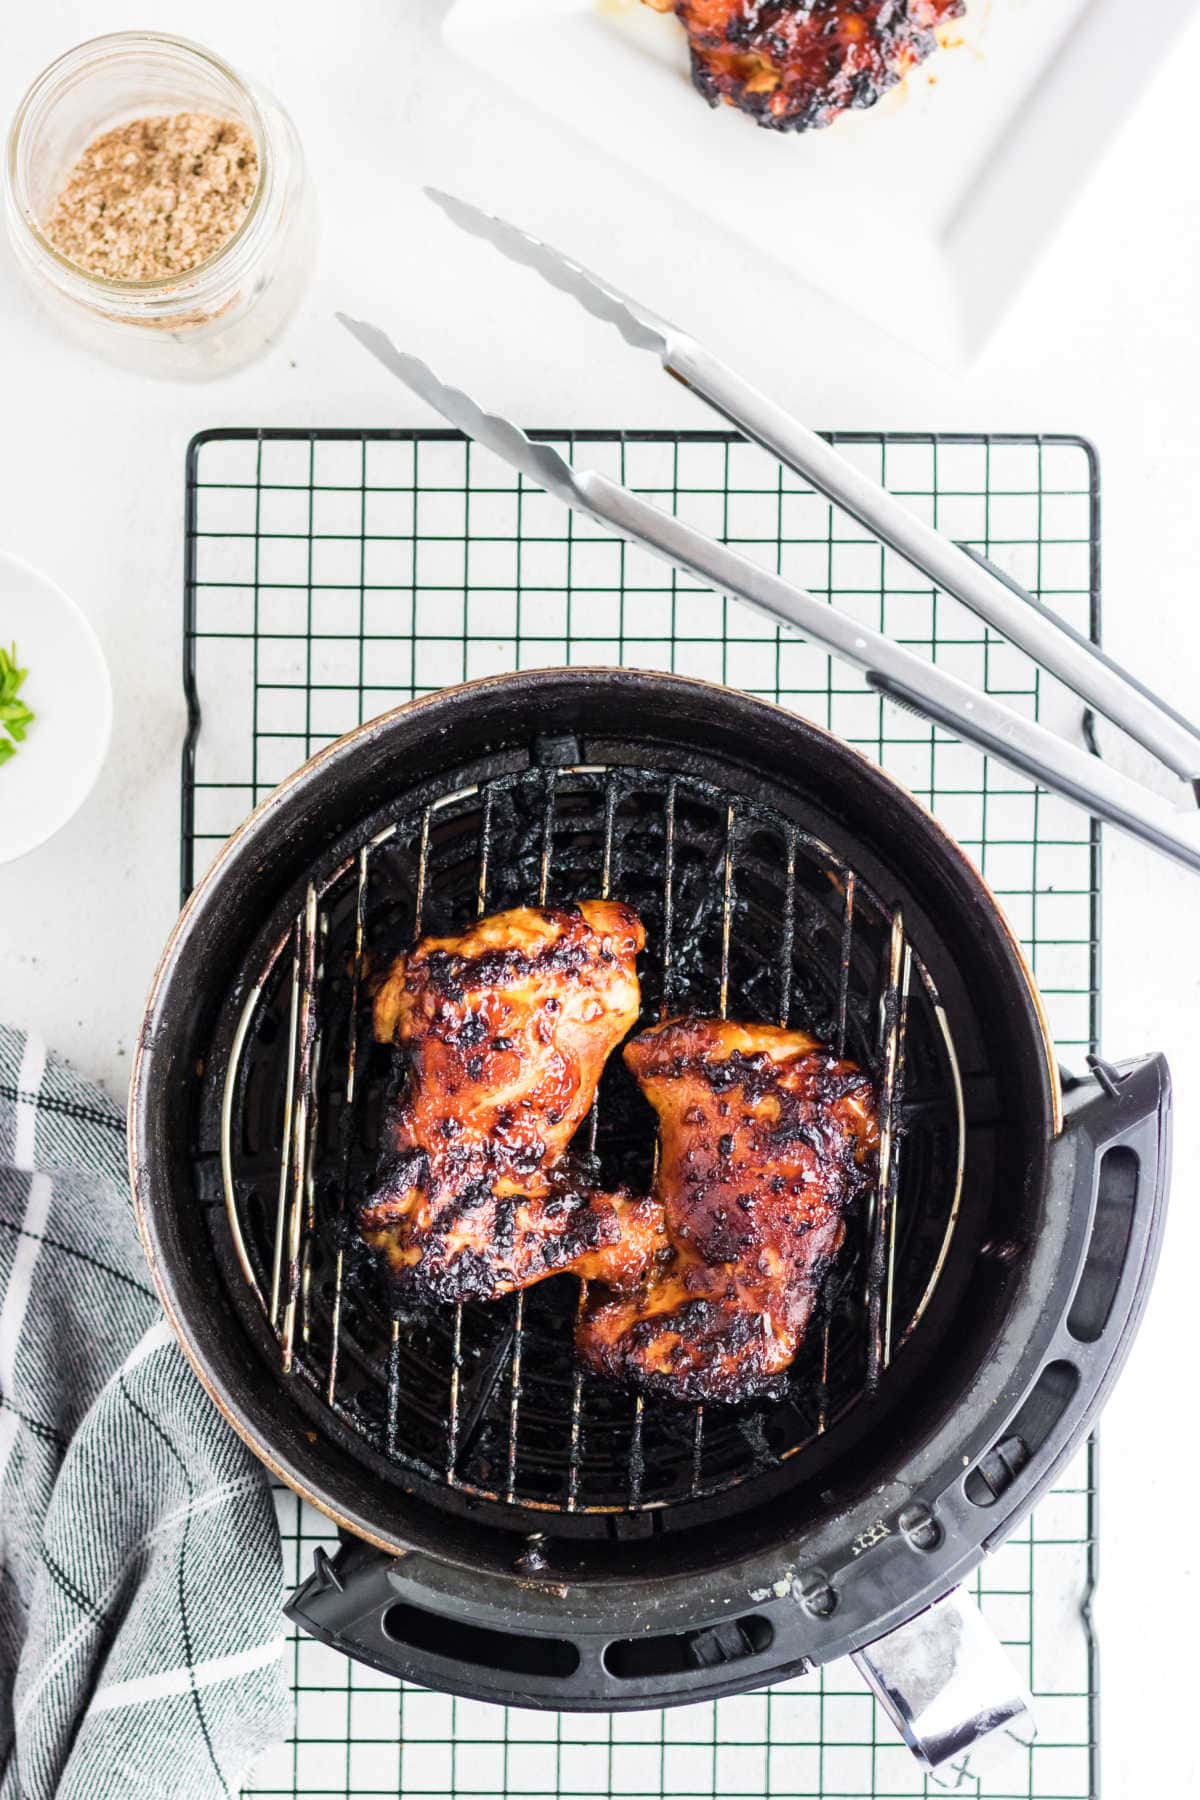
column 15, row 716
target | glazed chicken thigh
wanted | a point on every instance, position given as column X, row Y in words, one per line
column 797, row 64
column 507, row 1028
column 766, row 1137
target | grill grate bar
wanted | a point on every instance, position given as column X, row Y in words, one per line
column 844, row 977
column 892, row 1187
column 485, row 849
column 391, row 1429
column 547, row 834
column 422, row 872
column 668, row 898
column 575, row 1447
column 728, row 898
column 823, row 1390
column 881, row 1264
column 518, row 1330
column 393, row 1368
column 787, row 935
column 840, row 1046
column 303, row 1120
column 288, row 1110
column 507, row 1352
column 310, row 1207
column 514, row 1407
column 456, row 1351
column 356, row 974
column 727, row 906
column 697, row 1448
column 636, row 1453
column 452, row 1422
column 310, row 1198
column 610, row 817
column 636, row 1463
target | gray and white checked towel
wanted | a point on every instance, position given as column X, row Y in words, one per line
column 140, row 1626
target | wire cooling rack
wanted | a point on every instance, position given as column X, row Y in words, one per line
column 332, row 575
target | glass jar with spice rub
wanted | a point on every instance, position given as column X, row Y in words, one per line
column 159, row 205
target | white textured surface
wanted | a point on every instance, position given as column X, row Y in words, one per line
column 1103, row 340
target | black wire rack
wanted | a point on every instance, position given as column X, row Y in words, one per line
column 331, row 575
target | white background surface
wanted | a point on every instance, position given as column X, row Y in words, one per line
column 1103, row 340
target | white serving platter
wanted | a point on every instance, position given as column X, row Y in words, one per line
column 924, row 213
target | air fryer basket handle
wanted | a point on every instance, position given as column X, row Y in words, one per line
column 942, row 1677
column 946, row 1682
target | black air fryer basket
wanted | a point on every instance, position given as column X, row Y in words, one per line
column 513, row 1529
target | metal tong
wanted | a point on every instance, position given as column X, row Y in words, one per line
column 890, row 669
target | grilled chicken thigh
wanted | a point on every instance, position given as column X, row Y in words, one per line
column 766, row 1136
column 796, row 64
column 507, row 1028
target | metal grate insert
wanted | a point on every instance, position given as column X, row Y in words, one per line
column 749, row 914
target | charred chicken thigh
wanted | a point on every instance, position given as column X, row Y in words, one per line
column 507, row 1028
column 796, row 64
column 766, row 1137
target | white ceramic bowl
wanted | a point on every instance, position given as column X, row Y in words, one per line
column 70, row 694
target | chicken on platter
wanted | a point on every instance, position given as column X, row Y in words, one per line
column 794, row 65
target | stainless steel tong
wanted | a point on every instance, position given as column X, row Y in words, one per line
column 889, row 668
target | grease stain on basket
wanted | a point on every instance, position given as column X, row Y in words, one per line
column 874, row 1534
column 786, row 1587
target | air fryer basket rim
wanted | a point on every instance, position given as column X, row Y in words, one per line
column 256, row 838
column 652, row 682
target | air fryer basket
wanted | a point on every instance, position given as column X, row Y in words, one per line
column 549, row 1541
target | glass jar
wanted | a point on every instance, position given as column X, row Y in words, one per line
column 215, row 317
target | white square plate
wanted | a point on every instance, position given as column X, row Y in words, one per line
column 923, row 213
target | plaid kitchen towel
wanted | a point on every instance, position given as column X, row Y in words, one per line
column 140, row 1627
